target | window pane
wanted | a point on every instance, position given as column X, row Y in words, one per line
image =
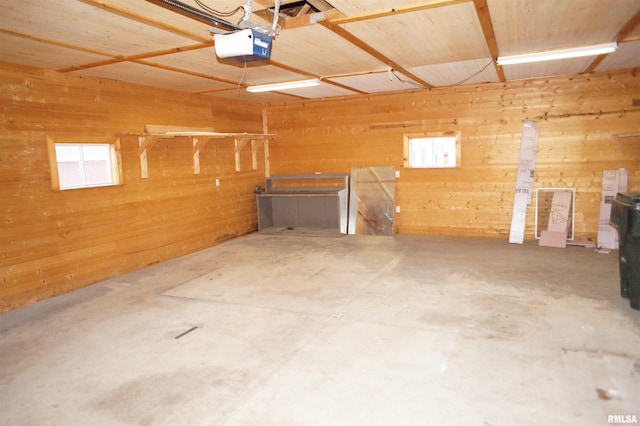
column 67, row 152
column 69, row 174
column 97, row 172
column 97, row 161
column 95, row 152
column 432, row 152
column 81, row 165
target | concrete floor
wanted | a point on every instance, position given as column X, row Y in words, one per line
column 359, row 330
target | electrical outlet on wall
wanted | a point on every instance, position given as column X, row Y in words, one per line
column 217, row 182
column 397, row 209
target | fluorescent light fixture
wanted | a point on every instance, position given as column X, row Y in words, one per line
column 284, row 86
column 549, row 55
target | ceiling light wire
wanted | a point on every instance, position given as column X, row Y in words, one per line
column 244, row 73
column 392, row 72
column 472, row 75
column 217, row 12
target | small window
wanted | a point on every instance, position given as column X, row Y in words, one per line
column 84, row 164
column 431, row 151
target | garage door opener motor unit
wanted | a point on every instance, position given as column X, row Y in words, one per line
column 245, row 45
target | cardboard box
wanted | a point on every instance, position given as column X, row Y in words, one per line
column 553, row 239
column 613, row 181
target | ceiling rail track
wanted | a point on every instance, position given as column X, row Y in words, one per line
column 193, row 13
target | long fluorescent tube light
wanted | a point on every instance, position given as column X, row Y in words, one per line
column 284, row 86
column 549, row 55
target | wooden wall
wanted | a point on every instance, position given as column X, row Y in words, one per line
column 55, row 241
column 586, row 124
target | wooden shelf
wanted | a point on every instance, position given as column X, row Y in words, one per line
column 199, row 139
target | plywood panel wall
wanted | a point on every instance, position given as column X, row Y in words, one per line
column 587, row 124
column 56, row 241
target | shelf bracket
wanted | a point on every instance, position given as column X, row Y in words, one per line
column 144, row 144
column 198, row 144
column 239, row 143
column 255, row 146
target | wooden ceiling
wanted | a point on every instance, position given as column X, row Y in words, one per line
column 354, row 47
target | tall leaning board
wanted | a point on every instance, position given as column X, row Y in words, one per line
column 524, row 180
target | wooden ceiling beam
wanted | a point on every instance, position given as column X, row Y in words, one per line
column 187, row 72
column 627, row 29
column 58, row 43
column 301, row 20
column 90, row 65
column 169, row 51
column 304, row 10
column 482, row 10
column 338, row 30
column 355, row 74
column 307, row 74
column 396, row 11
column 597, row 61
column 321, row 5
column 345, row 87
column 309, row 19
column 126, row 13
column 292, row 69
column 145, row 55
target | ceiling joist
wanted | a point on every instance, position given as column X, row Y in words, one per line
column 631, row 25
column 143, row 19
column 187, row 72
column 79, row 35
column 58, row 43
column 337, row 29
column 396, row 11
column 139, row 56
column 482, row 10
column 344, row 86
column 321, row 5
column 310, row 19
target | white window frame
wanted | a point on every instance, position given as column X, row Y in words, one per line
column 449, row 159
column 115, row 159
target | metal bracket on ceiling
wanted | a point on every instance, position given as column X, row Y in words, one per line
column 247, row 23
column 315, row 17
